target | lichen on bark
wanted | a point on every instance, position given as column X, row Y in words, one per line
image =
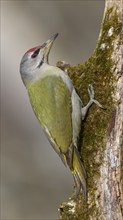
column 97, row 70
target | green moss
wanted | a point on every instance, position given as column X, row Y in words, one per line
column 97, row 70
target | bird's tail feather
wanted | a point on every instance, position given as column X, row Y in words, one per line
column 79, row 174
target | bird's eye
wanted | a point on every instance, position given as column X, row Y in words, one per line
column 35, row 54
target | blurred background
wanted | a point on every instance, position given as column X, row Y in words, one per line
column 33, row 179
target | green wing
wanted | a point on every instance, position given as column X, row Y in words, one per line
column 51, row 102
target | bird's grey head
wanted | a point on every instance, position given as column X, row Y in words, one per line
column 34, row 59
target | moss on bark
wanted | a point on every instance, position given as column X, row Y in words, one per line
column 97, row 70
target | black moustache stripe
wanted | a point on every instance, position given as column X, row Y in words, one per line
column 40, row 64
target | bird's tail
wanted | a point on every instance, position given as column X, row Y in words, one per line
column 79, row 175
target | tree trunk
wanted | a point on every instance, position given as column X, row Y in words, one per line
column 101, row 144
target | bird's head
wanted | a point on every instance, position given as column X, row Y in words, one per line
column 35, row 58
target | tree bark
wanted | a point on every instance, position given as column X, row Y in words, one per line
column 101, row 144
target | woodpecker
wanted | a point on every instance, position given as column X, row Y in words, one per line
column 58, row 108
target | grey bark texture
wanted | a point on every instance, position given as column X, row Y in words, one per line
column 109, row 186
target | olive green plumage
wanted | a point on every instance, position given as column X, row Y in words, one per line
column 50, row 98
column 51, row 101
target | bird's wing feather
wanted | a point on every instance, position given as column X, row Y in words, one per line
column 51, row 102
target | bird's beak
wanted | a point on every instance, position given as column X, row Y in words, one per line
column 45, row 48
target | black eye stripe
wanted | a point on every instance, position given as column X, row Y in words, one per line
column 35, row 53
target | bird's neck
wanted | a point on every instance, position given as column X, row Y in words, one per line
column 33, row 75
column 48, row 70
